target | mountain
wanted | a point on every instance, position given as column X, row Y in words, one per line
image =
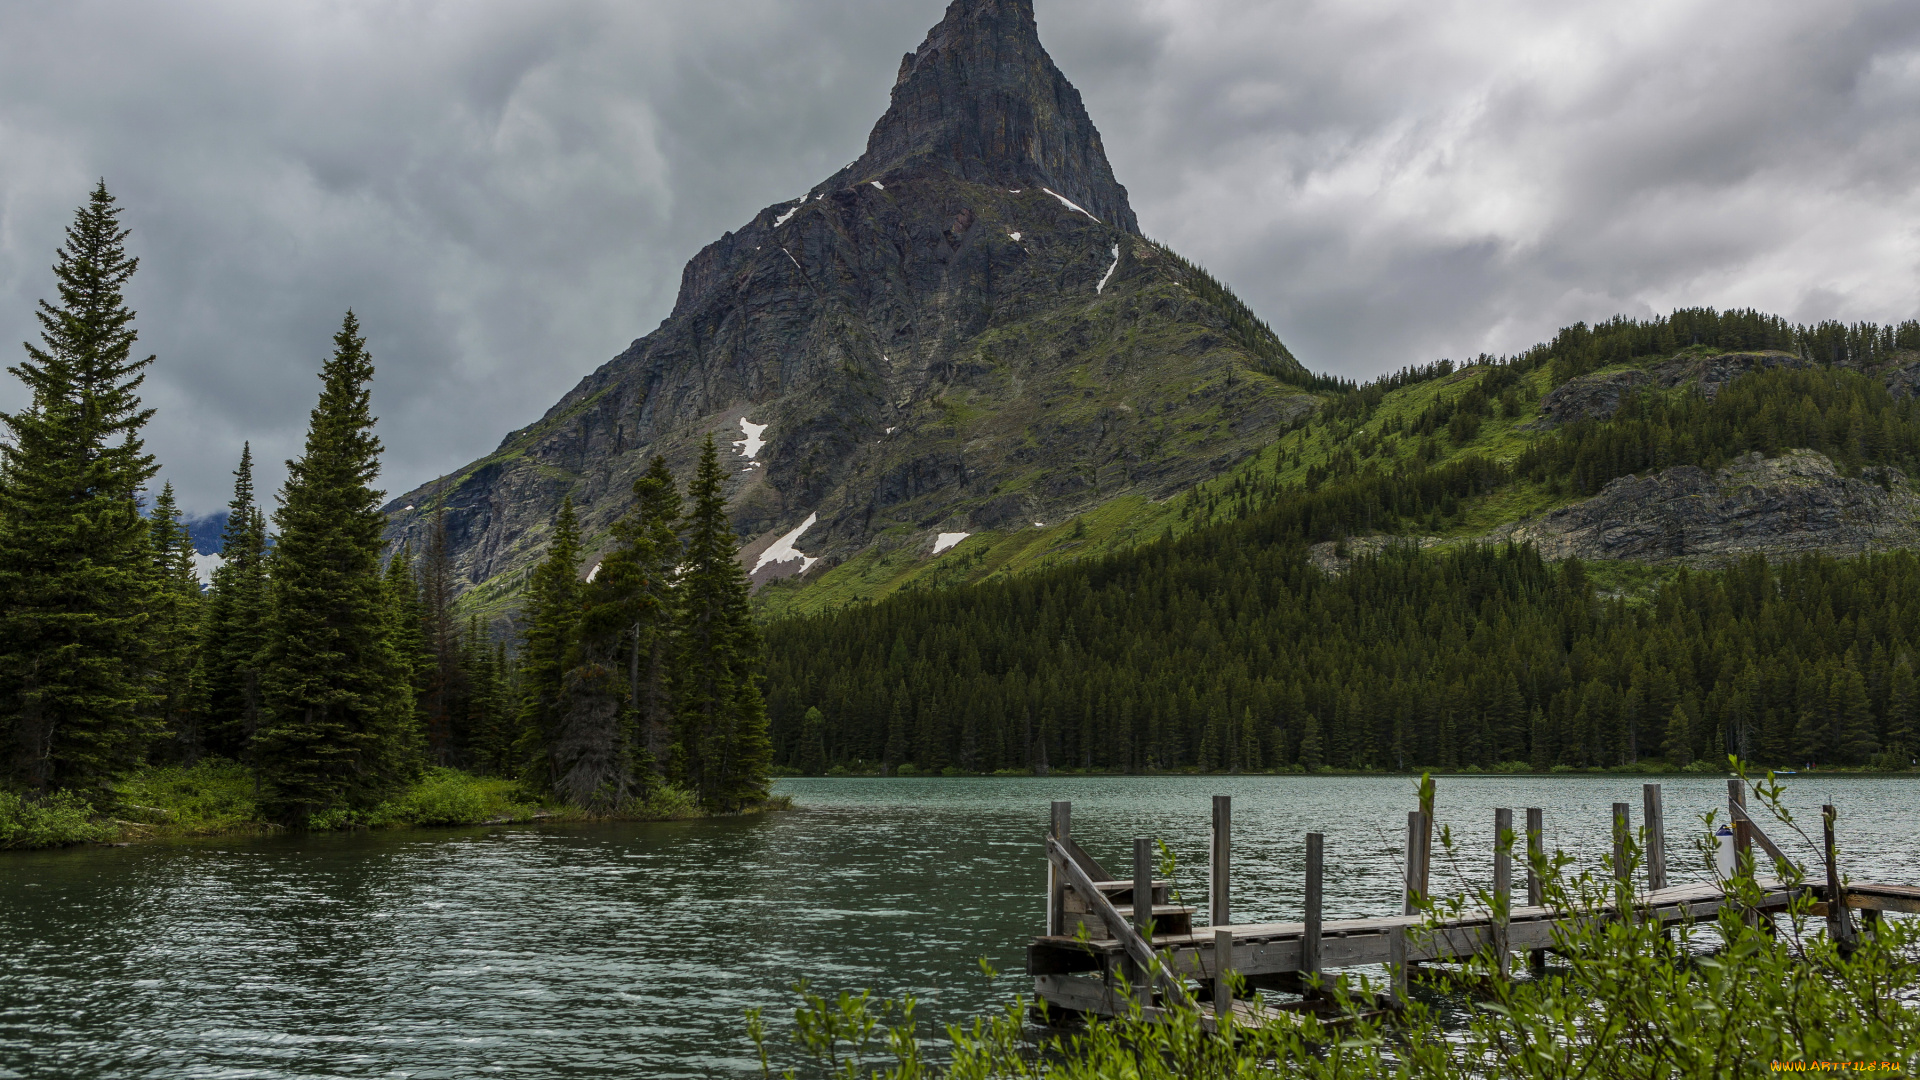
column 961, row 332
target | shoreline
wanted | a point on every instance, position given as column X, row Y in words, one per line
column 213, row 799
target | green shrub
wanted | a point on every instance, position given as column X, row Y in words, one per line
column 451, row 797
column 59, row 821
column 204, row 799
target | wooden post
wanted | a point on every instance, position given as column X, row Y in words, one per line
column 1060, row 830
column 1428, row 789
column 1416, row 860
column 1502, row 885
column 1219, row 894
column 1536, row 890
column 1397, row 963
column 1143, row 910
column 1839, row 926
column 1742, row 832
column 1222, row 989
column 1310, row 940
column 1622, row 823
column 1622, row 871
column 1656, row 838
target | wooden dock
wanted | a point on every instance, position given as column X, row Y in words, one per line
column 1098, row 943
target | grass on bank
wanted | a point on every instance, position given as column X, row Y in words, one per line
column 217, row 797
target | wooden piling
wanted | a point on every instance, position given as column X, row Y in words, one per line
column 1310, row 935
column 1219, row 893
column 1622, row 829
column 1222, row 987
column 1416, row 860
column 1502, row 885
column 1656, row 838
column 1397, row 963
column 1742, row 831
column 1141, row 977
column 1536, row 891
column 1839, row 927
column 1060, row 829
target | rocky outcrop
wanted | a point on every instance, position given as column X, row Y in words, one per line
column 961, row 327
column 1598, row 396
column 1588, row 397
column 1711, row 373
column 1792, row 504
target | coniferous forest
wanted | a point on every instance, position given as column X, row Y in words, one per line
column 1228, row 649
column 335, row 672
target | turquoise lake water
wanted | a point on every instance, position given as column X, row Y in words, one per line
column 631, row 950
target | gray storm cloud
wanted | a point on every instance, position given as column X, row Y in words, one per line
column 506, row 192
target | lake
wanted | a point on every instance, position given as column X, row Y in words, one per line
column 630, row 950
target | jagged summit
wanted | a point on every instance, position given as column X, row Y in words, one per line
column 924, row 348
column 980, row 98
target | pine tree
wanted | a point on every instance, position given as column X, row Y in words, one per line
column 1310, row 752
column 1902, row 701
column 235, row 633
column 173, row 633
column 1853, row 718
column 1679, row 747
column 812, row 758
column 652, row 546
column 596, row 762
column 406, row 630
column 341, row 732
column 722, row 750
column 76, row 582
column 547, row 622
column 444, row 694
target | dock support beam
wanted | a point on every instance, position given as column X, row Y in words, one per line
column 1222, row 987
column 1502, row 886
column 1219, row 893
column 1060, row 829
column 1143, row 913
column 1416, row 860
column 1656, row 837
column 1310, row 937
column 1839, row 926
column 1622, row 869
column 1536, row 893
column 1742, row 831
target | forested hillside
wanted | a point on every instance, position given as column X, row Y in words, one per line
column 1232, row 642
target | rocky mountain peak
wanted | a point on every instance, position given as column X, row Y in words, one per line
column 981, row 99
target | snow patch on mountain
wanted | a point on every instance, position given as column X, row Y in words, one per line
column 1102, row 287
column 751, row 445
column 947, row 540
column 1069, row 203
column 784, row 551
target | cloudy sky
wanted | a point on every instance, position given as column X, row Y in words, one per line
column 505, row 190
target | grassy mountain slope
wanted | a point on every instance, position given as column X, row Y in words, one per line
column 1434, row 418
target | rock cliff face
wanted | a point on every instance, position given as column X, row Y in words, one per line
column 962, row 330
column 1597, row 396
column 1793, row 504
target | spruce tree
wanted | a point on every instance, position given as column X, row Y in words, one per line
column 1902, row 701
column 444, row 696
column 76, row 581
column 236, row 623
column 407, row 634
column 340, row 729
column 547, row 626
column 173, row 633
column 722, row 750
column 652, row 544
